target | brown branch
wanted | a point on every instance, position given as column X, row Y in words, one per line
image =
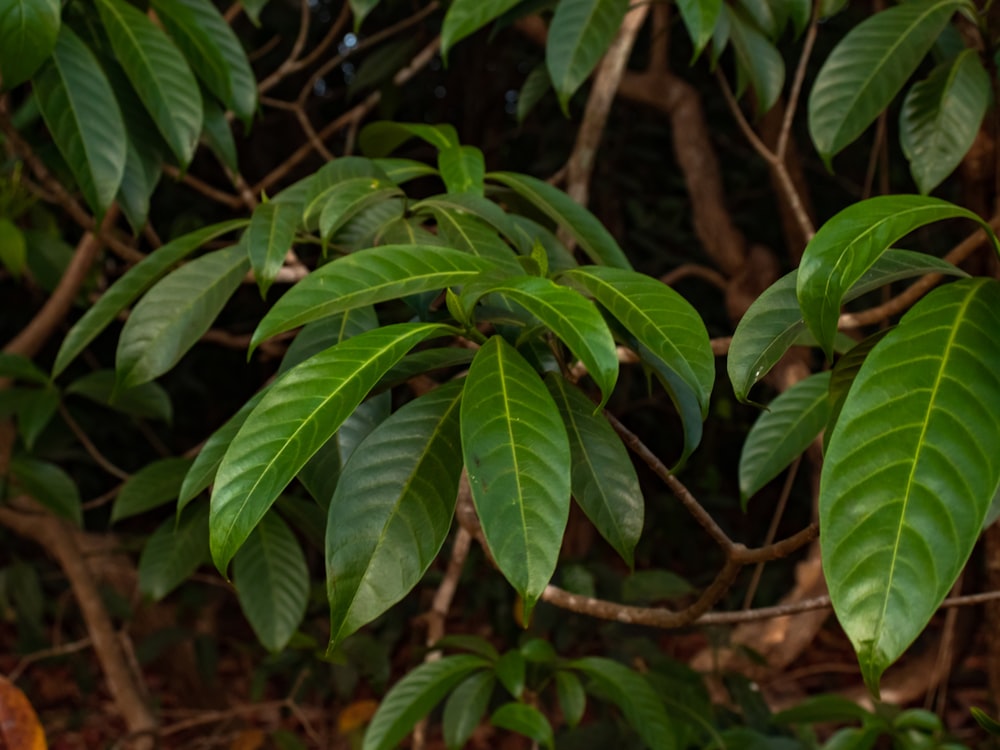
column 688, row 270
column 89, row 446
column 219, row 196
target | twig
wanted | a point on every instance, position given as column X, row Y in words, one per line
column 686, row 270
column 89, row 446
column 772, row 531
column 219, row 196
column 47, row 653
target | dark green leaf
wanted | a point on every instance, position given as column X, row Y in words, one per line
column 474, row 205
column 758, row 61
column 535, row 86
column 147, row 401
column 646, row 587
column 986, row 721
column 269, row 238
column 526, row 720
column 474, row 643
column 35, row 409
column 48, row 484
column 510, row 670
column 344, row 201
column 404, row 170
column 382, row 138
column 462, row 169
column 13, row 248
column 360, row 9
column 572, row 697
column 465, row 17
column 843, row 375
column 21, row 368
column 314, row 195
column 465, row 708
column 173, row 552
column 28, row 32
column 153, row 485
column 467, row 233
column 822, row 708
column 216, row 132
column 700, row 17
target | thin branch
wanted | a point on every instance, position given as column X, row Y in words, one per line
column 219, row 196
column 89, row 446
column 781, row 150
column 772, row 531
column 687, row 270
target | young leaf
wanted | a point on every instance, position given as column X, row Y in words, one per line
column 909, row 475
column 526, row 720
column 518, row 460
column 462, row 169
column 700, row 17
column 465, row 707
column 28, row 33
column 49, row 485
column 382, row 138
column 153, row 485
column 269, row 238
column 176, row 312
column 296, row 416
column 868, row 68
column 272, row 582
column 173, row 552
column 82, row 115
column 392, row 509
column 147, row 401
column 941, row 116
column 465, row 17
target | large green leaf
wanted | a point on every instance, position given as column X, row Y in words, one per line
column 28, row 32
column 415, row 696
column 465, row 17
column 314, row 193
column 326, row 332
column 82, row 115
column 911, row 470
column 296, row 416
column 700, row 17
column 602, row 477
column 595, row 240
column 133, row 283
column 344, row 201
column 463, row 169
column 783, row 432
column 526, row 720
column 774, row 321
column 849, row 243
column 153, row 485
column 146, row 401
column 472, row 235
column 159, row 74
column 49, row 485
column 382, row 138
column 518, row 459
column 269, row 238
column 176, row 312
column 365, row 278
column 272, row 582
column 173, row 552
column 941, row 116
column 842, row 378
column 868, row 68
column 474, row 205
column 758, row 61
column 465, row 707
column 579, row 35
column 392, row 509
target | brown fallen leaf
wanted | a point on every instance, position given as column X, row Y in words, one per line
column 19, row 727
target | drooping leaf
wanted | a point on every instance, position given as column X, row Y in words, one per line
column 296, row 416
column 173, row 552
column 463, row 169
column 28, row 33
column 176, row 312
column 700, row 17
column 526, row 720
column 272, row 582
column 138, row 184
column 910, row 471
column 48, row 484
column 518, row 460
column 572, row 697
column 392, row 509
column 146, row 401
column 941, row 116
column 82, row 115
column 868, row 68
column 269, row 238
column 758, row 61
column 331, row 175
column 382, row 138
column 19, row 367
column 848, row 245
column 783, row 432
column 465, row 17
column 158, row 72
column 155, row 484
column 465, row 708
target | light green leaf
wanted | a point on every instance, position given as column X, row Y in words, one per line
column 35, row 409
column 48, row 484
column 465, row 17
column 842, row 378
column 315, row 191
column 415, row 696
column 758, row 61
column 28, row 33
column 848, row 244
column 535, row 86
column 911, row 471
column 473, row 205
column 580, row 33
column 173, row 552
column 19, row 367
column 526, row 720
column 602, row 477
column 572, row 697
column 465, row 708
column 404, row 170
column 146, row 401
column 382, row 138
column 82, row 115
column 472, row 235
column 269, row 238
column 130, row 286
column 296, row 416
column 518, row 460
column 272, row 582
column 595, row 240
column 783, row 432
column 159, row 74
column 868, row 67
column 941, row 116
column 360, row 9
column 155, row 484
column 700, row 17
column 463, row 169
column 13, row 248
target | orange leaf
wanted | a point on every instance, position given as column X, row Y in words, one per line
column 19, row 727
column 248, row 739
column 356, row 715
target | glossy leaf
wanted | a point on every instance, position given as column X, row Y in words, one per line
column 344, row 201
column 462, row 169
column 842, row 378
column 382, row 138
column 847, row 245
column 173, row 552
column 602, row 477
column 867, row 69
column 572, row 697
column 910, row 473
column 475, row 205
column 783, row 432
column 272, row 582
column 526, row 720
column 465, row 17
column 48, row 484
column 465, row 708
column 146, row 401
column 941, row 116
column 82, row 115
column 392, row 509
column 404, row 170
column 415, row 696
column 176, row 312
column 269, row 238
column 130, row 286
column 759, row 63
column 28, row 33
column 472, row 235
column 296, row 416
column 19, row 367
column 158, row 72
column 155, row 484
column 518, row 460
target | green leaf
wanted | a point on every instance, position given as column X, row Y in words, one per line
column 344, row 201
column 382, row 138
column 176, row 312
column 633, row 695
column 941, row 116
column 848, row 244
column 843, row 375
column 533, row 233
column 28, row 33
column 360, row 9
column 898, row 521
column 700, row 17
column 383, row 63
column 758, row 61
column 535, row 86
column 331, row 176
column 783, row 432
column 296, row 416
column 269, row 238
column 474, row 643
column 518, row 460
column 139, row 180
column 404, row 170
column 253, row 8
column 475, row 205
column 595, row 240
column 214, row 51
column 272, row 582
column 602, row 477
column 986, row 721
column 326, row 332
column 159, row 74
column 580, row 33
column 35, row 409
column 82, row 115
column 463, row 169
column 472, row 235
column 146, row 401
column 526, row 720
column 49, row 485
column 465, row 708
column 822, row 708
column 867, row 69
column 155, row 484
column 130, row 286
column 19, row 367
column 510, row 670
column 392, row 509
column 13, row 248
column 216, row 132
column 173, row 552
column 465, row 17
column 415, row 696
column 365, row 278
column 774, row 321
column 572, row 697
